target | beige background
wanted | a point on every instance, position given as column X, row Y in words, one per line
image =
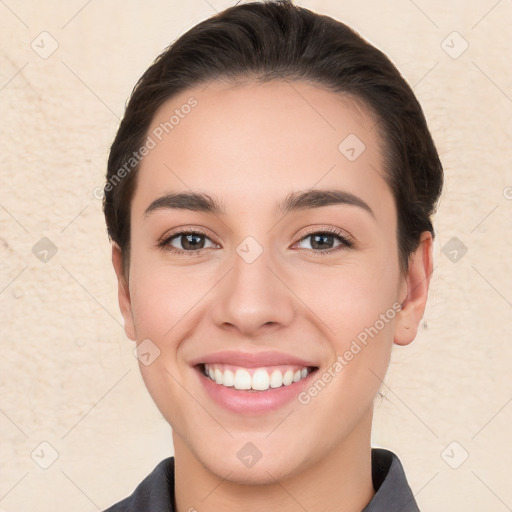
column 67, row 373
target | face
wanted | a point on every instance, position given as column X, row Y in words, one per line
column 277, row 283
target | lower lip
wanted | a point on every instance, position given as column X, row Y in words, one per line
column 252, row 402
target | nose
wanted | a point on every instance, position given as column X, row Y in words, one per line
column 253, row 297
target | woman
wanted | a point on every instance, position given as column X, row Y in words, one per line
column 269, row 198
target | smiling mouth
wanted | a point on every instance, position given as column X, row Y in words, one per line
column 255, row 379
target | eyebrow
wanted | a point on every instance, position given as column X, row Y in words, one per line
column 200, row 202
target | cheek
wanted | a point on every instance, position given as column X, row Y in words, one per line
column 357, row 304
column 351, row 296
column 163, row 302
column 360, row 314
column 163, row 296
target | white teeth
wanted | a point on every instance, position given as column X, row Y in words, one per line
column 228, row 378
column 260, row 380
column 242, row 379
column 276, row 379
column 288, row 378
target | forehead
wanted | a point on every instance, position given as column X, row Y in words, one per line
column 251, row 144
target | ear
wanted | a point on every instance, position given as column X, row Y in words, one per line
column 123, row 292
column 415, row 284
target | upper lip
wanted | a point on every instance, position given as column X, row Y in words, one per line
column 251, row 360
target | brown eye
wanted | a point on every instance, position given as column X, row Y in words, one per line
column 186, row 242
column 326, row 241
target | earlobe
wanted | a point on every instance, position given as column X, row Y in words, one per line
column 416, row 284
column 123, row 292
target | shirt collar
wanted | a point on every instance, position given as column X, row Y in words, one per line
column 392, row 491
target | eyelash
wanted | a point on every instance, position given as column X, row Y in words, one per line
column 346, row 242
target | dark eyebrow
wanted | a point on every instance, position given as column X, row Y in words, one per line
column 200, row 202
column 193, row 201
column 319, row 198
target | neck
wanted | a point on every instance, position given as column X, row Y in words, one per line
column 339, row 482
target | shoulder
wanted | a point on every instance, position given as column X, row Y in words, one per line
column 155, row 493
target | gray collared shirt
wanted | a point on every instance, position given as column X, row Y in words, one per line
column 392, row 492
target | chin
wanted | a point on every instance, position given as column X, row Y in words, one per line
column 263, row 472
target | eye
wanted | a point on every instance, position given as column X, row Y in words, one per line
column 322, row 242
column 191, row 242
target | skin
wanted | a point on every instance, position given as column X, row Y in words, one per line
column 249, row 146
